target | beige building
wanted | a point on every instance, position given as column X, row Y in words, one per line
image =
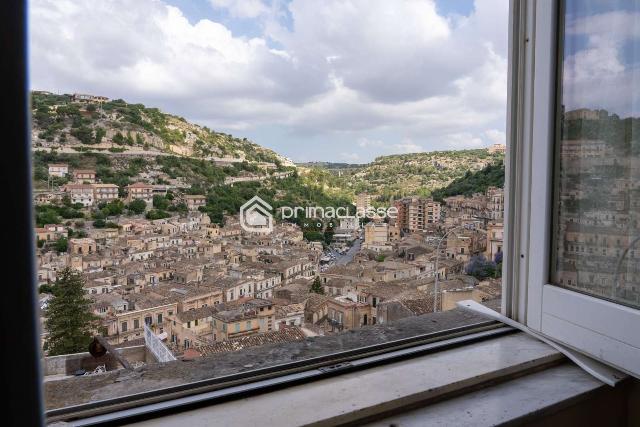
column 104, row 192
column 344, row 314
column 254, row 317
column 363, row 202
column 495, row 203
column 83, row 97
column 417, row 213
column 497, row 148
column 495, row 232
column 84, row 176
column 58, row 169
column 83, row 246
column 376, row 233
column 51, row 232
column 140, row 191
column 80, row 193
column 193, row 202
column 376, row 236
column 129, row 325
column 192, row 327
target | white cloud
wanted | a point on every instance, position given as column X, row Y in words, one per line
column 459, row 141
column 338, row 69
column 495, row 136
column 407, row 146
column 597, row 75
column 366, row 142
column 350, row 157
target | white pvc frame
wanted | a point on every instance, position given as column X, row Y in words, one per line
column 604, row 330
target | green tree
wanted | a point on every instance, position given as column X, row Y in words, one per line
column 157, row 214
column 118, row 138
column 313, row 236
column 70, row 323
column 137, row 206
column 114, row 207
column 100, row 133
column 160, row 202
column 316, row 286
column 62, row 244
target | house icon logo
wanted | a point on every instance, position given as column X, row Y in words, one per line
column 256, row 216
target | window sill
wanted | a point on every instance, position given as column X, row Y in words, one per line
column 367, row 394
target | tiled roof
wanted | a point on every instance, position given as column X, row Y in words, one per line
column 198, row 313
column 140, row 185
column 285, row 334
column 419, row 306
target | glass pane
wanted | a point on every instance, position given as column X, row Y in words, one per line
column 244, row 192
column 598, row 156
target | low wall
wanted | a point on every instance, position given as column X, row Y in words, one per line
column 67, row 364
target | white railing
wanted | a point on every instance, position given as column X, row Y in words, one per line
column 156, row 346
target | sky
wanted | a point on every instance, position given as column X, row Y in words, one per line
column 601, row 66
column 315, row 80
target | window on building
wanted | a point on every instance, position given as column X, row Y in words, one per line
column 123, row 327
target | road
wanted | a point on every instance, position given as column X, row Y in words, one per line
column 348, row 257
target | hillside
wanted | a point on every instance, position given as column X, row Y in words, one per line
column 126, row 143
column 401, row 175
column 473, row 182
column 117, row 126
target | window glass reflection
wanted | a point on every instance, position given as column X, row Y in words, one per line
column 598, row 156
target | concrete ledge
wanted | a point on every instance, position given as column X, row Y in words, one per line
column 67, row 364
column 79, row 390
column 523, row 400
column 355, row 396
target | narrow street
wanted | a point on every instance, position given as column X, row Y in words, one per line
column 347, row 257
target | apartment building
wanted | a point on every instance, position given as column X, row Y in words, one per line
column 58, row 169
column 254, row 316
column 128, row 325
column 81, row 193
column 104, row 192
column 495, row 203
column 194, row 202
column 83, row 97
column 417, row 213
column 84, row 176
column 140, row 191
column 363, row 202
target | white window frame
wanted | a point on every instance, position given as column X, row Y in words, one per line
column 604, row 330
